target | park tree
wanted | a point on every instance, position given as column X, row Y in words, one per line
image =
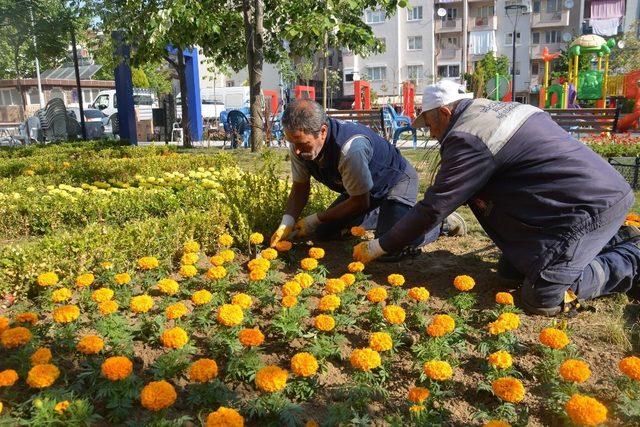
column 628, row 58
column 486, row 69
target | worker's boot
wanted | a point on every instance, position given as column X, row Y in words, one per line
column 454, row 225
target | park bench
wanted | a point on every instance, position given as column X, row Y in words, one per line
column 586, row 120
column 371, row 118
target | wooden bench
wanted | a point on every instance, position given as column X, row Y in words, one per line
column 586, row 120
column 371, row 118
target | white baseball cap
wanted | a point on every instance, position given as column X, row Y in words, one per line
column 436, row 95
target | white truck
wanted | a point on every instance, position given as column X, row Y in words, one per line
column 215, row 100
column 144, row 101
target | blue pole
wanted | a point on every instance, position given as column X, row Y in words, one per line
column 124, row 90
column 193, row 93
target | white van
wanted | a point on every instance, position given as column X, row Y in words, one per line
column 144, row 101
column 214, row 101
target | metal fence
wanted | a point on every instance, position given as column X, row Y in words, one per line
column 629, row 168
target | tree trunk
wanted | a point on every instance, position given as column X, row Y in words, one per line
column 253, row 12
column 186, row 131
column 325, row 70
column 23, row 98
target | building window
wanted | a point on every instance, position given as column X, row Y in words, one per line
column 517, row 69
column 56, row 93
column 552, row 36
column 535, row 68
column 377, row 73
column 553, row 6
column 509, row 39
column 448, row 71
column 451, row 43
column 348, row 77
column 230, row 83
column 485, row 11
column 9, row 97
column 521, row 99
column 536, row 6
column 374, row 16
column 414, row 72
column 535, row 38
column 414, row 13
column 452, row 14
column 414, row 43
column 33, row 97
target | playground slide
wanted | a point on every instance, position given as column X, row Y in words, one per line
column 629, row 121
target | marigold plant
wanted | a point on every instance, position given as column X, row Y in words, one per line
column 8, row 377
column 168, row 286
column 355, row 267
column 203, row 370
column 305, row 280
column 508, row 389
column 348, row 278
column 504, row 298
column 324, row 322
column 174, row 338
column 377, row 294
column 575, row 371
column 27, row 317
column 225, row 240
column 216, row 273
column 380, row 341
column 158, row 395
column 61, row 295
column 438, row 370
column 42, row 376
column 251, row 337
column 230, row 315
column 108, row 307
column 419, row 294
column 141, row 303
column 304, row 364
column 316, row 253
column 464, row 283
column 225, row 417
column 90, row 344
column 271, row 379
column 256, row 238
column 148, row 263
column 116, row 368
column 394, row 314
column 496, row 423
column 216, row 260
column 585, row 410
column 259, row 264
column 289, row 301
column 122, row 278
column 500, row 359
column 554, row 338
column 309, row 264
column 191, row 246
column 189, row 259
column 256, row 275
column 201, row 297
column 329, row 303
column 334, row 286
column 41, row 356
column 102, row 295
column 84, row 280
column 284, row 246
column 15, row 337
column 418, row 394
column 441, row 325
column 4, row 323
column 292, row 288
column 395, row 279
column 365, row 359
column 176, row 311
column 630, row 366
column 243, row 300
column 188, row 271
column 66, row 313
column 47, row 279
column 269, row 254
column 227, row 254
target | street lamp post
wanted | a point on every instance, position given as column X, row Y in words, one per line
column 516, row 9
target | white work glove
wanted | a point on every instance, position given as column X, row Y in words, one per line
column 367, row 251
column 306, row 225
column 284, row 230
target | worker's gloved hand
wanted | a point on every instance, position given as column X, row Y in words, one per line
column 367, row 251
column 306, row 225
column 284, row 230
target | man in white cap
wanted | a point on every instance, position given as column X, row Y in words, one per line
column 554, row 207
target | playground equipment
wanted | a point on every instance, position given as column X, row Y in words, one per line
column 499, row 88
column 362, row 94
column 547, row 58
column 408, row 100
column 590, row 85
column 306, row 92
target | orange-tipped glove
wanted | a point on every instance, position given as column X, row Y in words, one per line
column 284, row 230
column 367, row 251
column 306, row 226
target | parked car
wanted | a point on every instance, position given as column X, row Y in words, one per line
column 144, row 101
column 94, row 122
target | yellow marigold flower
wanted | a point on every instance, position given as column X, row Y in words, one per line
column 8, row 377
column 225, row 240
column 216, row 273
column 191, row 246
column 256, row 238
column 511, row 320
column 107, row 265
column 141, row 303
column 90, row 344
column 416, row 408
column 377, row 294
column 500, row 359
column 251, row 337
column 201, row 297
column 438, row 370
column 66, row 313
column 394, row 314
column 418, row 394
column 380, row 341
column 329, row 303
column 230, row 315
column 358, row 231
column 348, row 279
column 47, row 279
column 316, row 253
column 4, row 324
column 464, row 283
column 259, row 264
column 187, row 271
column 575, row 371
column 269, row 254
column 284, row 246
column 419, row 294
column 203, row 370
column 355, row 267
column 554, row 338
column 271, row 379
column 305, row 280
column 41, row 356
column 497, row 327
column 630, row 366
column 504, row 298
column 148, row 263
column 496, row 423
column 84, row 280
column 324, row 322
column 27, row 317
column 585, row 410
column 190, row 258
column 292, row 288
column 116, row 368
column 309, row 264
column 102, row 295
column 61, row 407
column 334, row 286
column 256, row 275
column 441, row 324
column 304, row 364
column 176, row 311
column 243, row 300
column 15, row 337
column 216, row 260
column 227, row 254
column 365, row 359
column 158, row 395
column 395, row 279
column 225, row 417
column 61, row 295
column 168, row 286
column 508, row 389
column 108, row 307
column 174, row 338
column 289, row 301
column 42, row 376
column 122, row 278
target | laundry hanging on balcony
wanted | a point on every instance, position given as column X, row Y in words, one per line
column 605, row 9
column 482, row 42
column 605, row 27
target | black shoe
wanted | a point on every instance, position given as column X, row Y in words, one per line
column 408, row 252
column 629, row 233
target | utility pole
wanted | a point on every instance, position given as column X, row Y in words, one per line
column 35, row 48
column 78, row 86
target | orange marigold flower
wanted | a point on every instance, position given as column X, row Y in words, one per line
column 201, row 297
column 292, row 288
column 168, row 286
column 309, row 264
column 189, row 258
column 187, row 271
column 102, row 295
column 227, row 254
column 316, row 253
column 329, row 303
column 61, row 295
column 395, row 279
column 41, row 356
column 15, row 337
column 225, row 240
column 230, row 315
column 269, row 254
column 174, row 338
column 27, row 317
column 508, row 389
column 116, row 368
column 348, row 278
column 251, row 337
column 216, row 260
column 289, row 301
column 47, row 279
column 630, row 366
column 305, row 280
column 504, row 298
column 496, row 423
column 554, row 338
column 66, row 313
column 355, row 267
column 84, row 280
column 108, row 307
column 158, row 395
column 271, row 379
column 191, row 246
column 575, row 371
column 394, row 314
column 243, row 300
column 90, row 344
column 203, row 370
column 334, row 286
column 358, row 231
column 464, row 283
column 42, row 376
column 8, row 377
column 256, row 275
column 4, row 323
column 61, row 407
column 216, row 273
column 141, row 303
column 304, row 364
column 284, row 246
column 225, row 417
column 259, row 264
column 256, row 238
column 380, row 341
column 122, row 278
column 377, row 294
column 438, row 370
column 148, row 263
column 445, row 321
column 585, row 410
column 418, row 394
column 419, row 294
column 324, row 322
column 176, row 311
column 365, row 359
column 500, row 359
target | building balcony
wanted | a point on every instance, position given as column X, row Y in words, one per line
column 448, row 25
column 536, row 50
column 450, row 54
column 546, row 19
column 484, row 23
column 480, row 1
